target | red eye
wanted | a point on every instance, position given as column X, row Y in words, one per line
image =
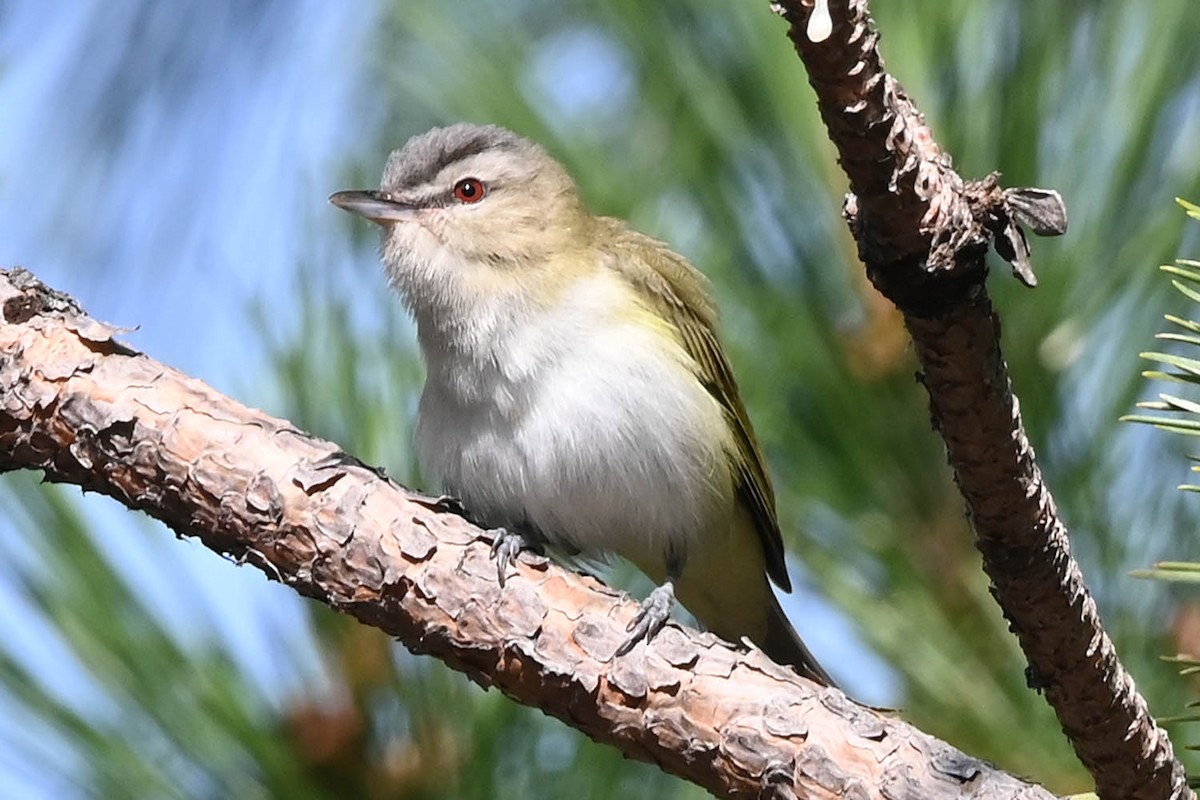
column 470, row 190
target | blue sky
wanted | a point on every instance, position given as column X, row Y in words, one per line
column 168, row 164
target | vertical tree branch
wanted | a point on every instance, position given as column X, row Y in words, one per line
column 922, row 232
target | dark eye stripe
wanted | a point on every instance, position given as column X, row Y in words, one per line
column 484, row 141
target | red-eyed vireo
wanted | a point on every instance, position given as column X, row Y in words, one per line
column 576, row 393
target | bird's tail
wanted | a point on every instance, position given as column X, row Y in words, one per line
column 784, row 645
column 730, row 595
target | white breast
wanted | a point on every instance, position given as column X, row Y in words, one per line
column 582, row 424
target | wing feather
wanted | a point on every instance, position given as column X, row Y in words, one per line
column 680, row 294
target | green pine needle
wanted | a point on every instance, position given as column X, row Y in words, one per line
column 1190, row 366
column 1178, row 572
column 1189, row 324
column 1178, row 337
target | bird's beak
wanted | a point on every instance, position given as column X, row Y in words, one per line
column 376, row 206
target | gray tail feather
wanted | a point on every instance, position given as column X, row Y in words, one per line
column 783, row 644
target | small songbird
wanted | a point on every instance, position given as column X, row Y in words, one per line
column 576, row 392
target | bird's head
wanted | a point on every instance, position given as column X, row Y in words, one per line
column 472, row 198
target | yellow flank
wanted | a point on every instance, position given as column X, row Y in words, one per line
column 679, row 298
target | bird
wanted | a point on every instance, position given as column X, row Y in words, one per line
column 577, row 395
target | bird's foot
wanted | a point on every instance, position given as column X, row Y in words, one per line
column 506, row 546
column 650, row 618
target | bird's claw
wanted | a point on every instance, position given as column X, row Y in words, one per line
column 650, row 618
column 506, row 546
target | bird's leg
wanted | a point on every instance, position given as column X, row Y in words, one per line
column 655, row 609
column 506, row 546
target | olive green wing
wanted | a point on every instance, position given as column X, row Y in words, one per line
column 680, row 293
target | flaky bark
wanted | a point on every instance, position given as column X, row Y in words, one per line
column 87, row 410
column 923, row 233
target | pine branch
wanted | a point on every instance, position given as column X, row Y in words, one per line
column 85, row 409
column 923, row 234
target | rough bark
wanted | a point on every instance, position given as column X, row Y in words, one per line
column 80, row 406
column 923, row 233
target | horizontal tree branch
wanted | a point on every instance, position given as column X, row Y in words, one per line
column 923, row 234
column 85, row 409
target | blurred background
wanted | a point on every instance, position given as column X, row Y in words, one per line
column 169, row 163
